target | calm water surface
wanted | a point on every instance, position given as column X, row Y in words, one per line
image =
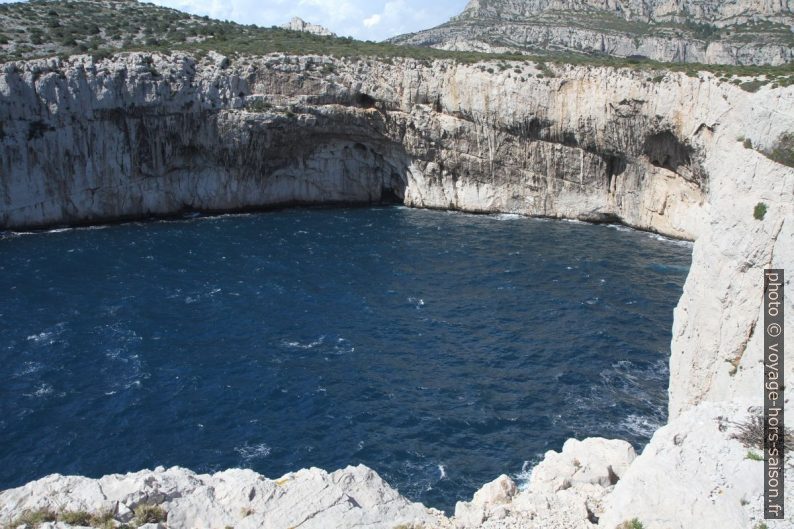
column 441, row 349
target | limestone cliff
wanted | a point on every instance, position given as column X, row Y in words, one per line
column 704, row 31
column 141, row 135
column 154, row 135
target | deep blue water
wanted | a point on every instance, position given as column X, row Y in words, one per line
column 440, row 349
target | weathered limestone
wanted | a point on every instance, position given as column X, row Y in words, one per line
column 593, row 461
column 752, row 32
column 120, row 142
column 693, row 474
column 298, row 24
column 566, row 489
column 353, row 497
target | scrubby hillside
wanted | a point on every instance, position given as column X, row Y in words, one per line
column 42, row 28
column 46, row 28
column 705, row 31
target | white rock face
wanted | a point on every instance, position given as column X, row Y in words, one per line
column 593, row 461
column 693, row 474
column 298, row 24
column 756, row 32
column 703, row 11
column 353, row 497
column 566, row 489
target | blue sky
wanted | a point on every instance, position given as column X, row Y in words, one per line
column 362, row 19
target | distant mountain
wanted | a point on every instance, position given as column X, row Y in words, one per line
column 706, row 31
column 298, row 24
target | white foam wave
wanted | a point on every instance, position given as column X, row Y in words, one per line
column 310, row 345
column 28, row 368
column 522, row 478
column 41, row 337
column 640, row 425
column 442, row 471
column 41, row 391
column 251, row 452
column 343, row 346
column 48, row 336
column 669, row 240
column 508, row 216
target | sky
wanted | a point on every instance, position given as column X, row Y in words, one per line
column 362, row 19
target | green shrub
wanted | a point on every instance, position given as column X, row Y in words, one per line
column 103, row 520
column 148, row 513
column 34, row 518
column 258, row 105
column 783, row 151
column 752, row 86
column 82, row 518
column 138, row 26
column 752, row 456
column 750, row 432
column 632, row 524
column 760, row 211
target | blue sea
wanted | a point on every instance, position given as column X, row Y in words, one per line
column 441, row 349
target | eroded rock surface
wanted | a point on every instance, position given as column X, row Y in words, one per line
column 702, row 31
column 298, row 24
column 353, row 497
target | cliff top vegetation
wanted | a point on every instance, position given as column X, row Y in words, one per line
column 46, row 28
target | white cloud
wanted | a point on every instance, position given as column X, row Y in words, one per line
column 372, row 21
column 362, row 19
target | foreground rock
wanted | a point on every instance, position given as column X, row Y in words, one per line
column 566, row 490
column 353, row 497
column 695, row 474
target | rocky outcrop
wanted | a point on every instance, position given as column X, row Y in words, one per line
column 566, row 489
column 312, row 498
column 142, row 135
column 702, row 31
column 298, row 24
column 701, row 11
column 725, row 491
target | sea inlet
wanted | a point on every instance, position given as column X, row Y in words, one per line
column 441, row 349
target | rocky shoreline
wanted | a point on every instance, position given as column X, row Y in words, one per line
column 140, row 135
column 588, row 484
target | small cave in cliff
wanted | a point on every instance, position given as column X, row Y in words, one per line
column 364, row 100
column 665, row 150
